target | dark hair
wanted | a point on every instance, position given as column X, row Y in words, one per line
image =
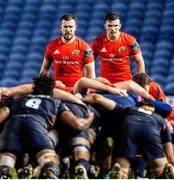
column 141, row 78
column 111, row 16
column 68, row 17
column 145, row 102
column 43, row 85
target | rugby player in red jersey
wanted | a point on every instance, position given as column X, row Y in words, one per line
column 153, row 88
column 114, row 49
column 71, row 56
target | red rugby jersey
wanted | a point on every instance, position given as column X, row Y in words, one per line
column 68, row 59
column 156, row 91
column 115, row 56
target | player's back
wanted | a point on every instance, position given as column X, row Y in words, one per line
column 139, row 114
column 80, row 110
column 41, row 105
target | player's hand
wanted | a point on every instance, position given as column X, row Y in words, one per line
column 91, row 98
column 151, row 97
column 121, row 92
column 59, row 84
column 88, row 120
column 78, row 95
column 90, row 117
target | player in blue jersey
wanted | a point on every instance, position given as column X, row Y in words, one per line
column 31, row 117
column 142, row 129
column 78, row 143
column 131, row 99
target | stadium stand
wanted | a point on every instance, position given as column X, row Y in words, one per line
column 27, row 26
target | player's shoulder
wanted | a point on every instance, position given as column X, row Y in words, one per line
column 100, row 36
column 126, row 36
column 54, row 41
column 154, row 84
column 80, row 42
column 156, row 87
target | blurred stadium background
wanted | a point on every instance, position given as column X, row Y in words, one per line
column 26, row 26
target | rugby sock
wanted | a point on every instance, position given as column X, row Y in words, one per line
column 140, row 164
column 84, row 163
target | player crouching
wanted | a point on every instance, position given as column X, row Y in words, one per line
column 31, row 117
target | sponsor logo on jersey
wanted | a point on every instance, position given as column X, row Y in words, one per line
column 75, row 52
column 56, row 51
column 103, row 50
column 65, row 57
column 122, row 49
column 66, row 62
column 112, row 55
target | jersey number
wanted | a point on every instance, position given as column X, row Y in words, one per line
column 33, row 103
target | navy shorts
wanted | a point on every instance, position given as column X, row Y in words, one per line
column 135, row 134
column 25, row 133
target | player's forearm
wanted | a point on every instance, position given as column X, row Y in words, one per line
column 133, row 86
column 69, row 119
column 108, row 104
column 141, row 91
column 66, row 96
column 85, row 83
column 45, row 67
column 20, row 90
column 17, row 90
column 44, row 71
column 74, row 122
column 140, row 63
column 90, row 71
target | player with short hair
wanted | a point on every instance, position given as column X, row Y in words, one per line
column 75, row 142
column 31, row 117
column 145, row 130
column 69, row 54
column 114, row 49
column 150, row 86
column 153, row 88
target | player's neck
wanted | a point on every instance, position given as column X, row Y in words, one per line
column 68, row 41
column 113, row 38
